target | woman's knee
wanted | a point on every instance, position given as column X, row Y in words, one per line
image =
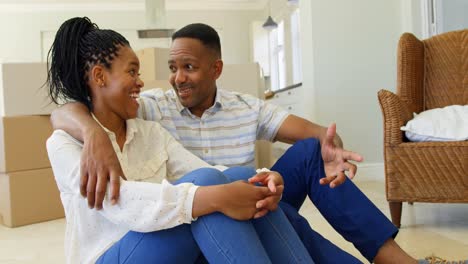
column 239, row 173
column 208, row 176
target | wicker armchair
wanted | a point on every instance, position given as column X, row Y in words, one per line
column 432, row 73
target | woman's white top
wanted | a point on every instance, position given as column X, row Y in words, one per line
column 151, row 158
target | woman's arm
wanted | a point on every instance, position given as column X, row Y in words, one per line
column 237, row 200
column 147, row 207
column 142, row 206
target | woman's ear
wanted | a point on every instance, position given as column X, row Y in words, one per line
column 98, row 77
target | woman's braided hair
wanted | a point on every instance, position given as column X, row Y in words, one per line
column 79, row 45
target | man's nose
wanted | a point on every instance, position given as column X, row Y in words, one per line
column 180, row 77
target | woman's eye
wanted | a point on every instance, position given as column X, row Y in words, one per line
column 134, row 73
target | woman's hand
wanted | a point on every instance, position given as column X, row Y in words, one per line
column 237, row 200
column 274, row 181
column 241, row 199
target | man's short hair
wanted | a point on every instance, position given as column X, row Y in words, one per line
column 204, row 33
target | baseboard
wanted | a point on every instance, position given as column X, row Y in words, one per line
column 370, row 172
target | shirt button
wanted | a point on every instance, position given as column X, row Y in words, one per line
column 206, row 150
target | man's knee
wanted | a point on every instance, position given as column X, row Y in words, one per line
column 309, row 143
column 209, row 176
column 308, row 148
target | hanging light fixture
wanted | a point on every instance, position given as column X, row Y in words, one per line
column 269, row 23
column 155, row 11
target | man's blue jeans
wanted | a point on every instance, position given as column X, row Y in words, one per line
column 270, row 239
column 345, row 207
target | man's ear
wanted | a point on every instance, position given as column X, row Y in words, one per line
column 98, row 77
column 218, row 68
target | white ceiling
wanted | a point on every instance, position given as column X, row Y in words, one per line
column 133, row 4
column 122, row 1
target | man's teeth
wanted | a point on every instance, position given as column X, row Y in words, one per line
column 183, row 90
column 135, row 95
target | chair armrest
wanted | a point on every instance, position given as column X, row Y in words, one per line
column 395, row 115
column 410, row 72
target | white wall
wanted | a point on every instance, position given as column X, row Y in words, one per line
column 454, row 15
column 349, row 54
column 21, row 32
column 411, row 17
column 234, row 27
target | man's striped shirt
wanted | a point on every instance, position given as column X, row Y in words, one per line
column 226, row 132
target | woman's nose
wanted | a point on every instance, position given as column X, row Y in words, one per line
column 140, row 82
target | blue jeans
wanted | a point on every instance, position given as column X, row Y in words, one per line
column 270, row 239
column 345, row 207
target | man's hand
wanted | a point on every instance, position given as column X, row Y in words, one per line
column 99, row 164
column 275, row 184
column 336, row 160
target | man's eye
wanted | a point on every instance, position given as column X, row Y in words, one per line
column 172, row 69
column 189, row 66
column 132, row 72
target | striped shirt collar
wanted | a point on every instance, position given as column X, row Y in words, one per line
column 218, row 104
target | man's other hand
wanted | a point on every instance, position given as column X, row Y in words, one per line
column 336, row 160
column 99, row 165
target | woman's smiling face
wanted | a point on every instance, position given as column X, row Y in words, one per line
column 122, row 85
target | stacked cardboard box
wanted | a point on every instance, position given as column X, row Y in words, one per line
column 28, row 192
column 247, row 79
column 154, row 69
column 153, row 63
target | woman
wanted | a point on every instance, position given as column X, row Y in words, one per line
column 154, row 221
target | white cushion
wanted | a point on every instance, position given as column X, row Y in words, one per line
column 440, row 124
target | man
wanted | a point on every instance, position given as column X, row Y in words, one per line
column 221, row 128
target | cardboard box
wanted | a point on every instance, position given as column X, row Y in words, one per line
column 22, row 91
column 23, row 143
column 247, row 78
column 29, row 197
column 153, row 63
column 243, row 78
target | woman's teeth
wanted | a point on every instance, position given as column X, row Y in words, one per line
column 135, row 95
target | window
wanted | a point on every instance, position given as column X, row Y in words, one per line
column 296, row 47
column 277, row 58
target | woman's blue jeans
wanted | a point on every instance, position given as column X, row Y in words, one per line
column 220, row 239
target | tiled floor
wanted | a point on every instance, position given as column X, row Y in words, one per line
column 440, row 229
